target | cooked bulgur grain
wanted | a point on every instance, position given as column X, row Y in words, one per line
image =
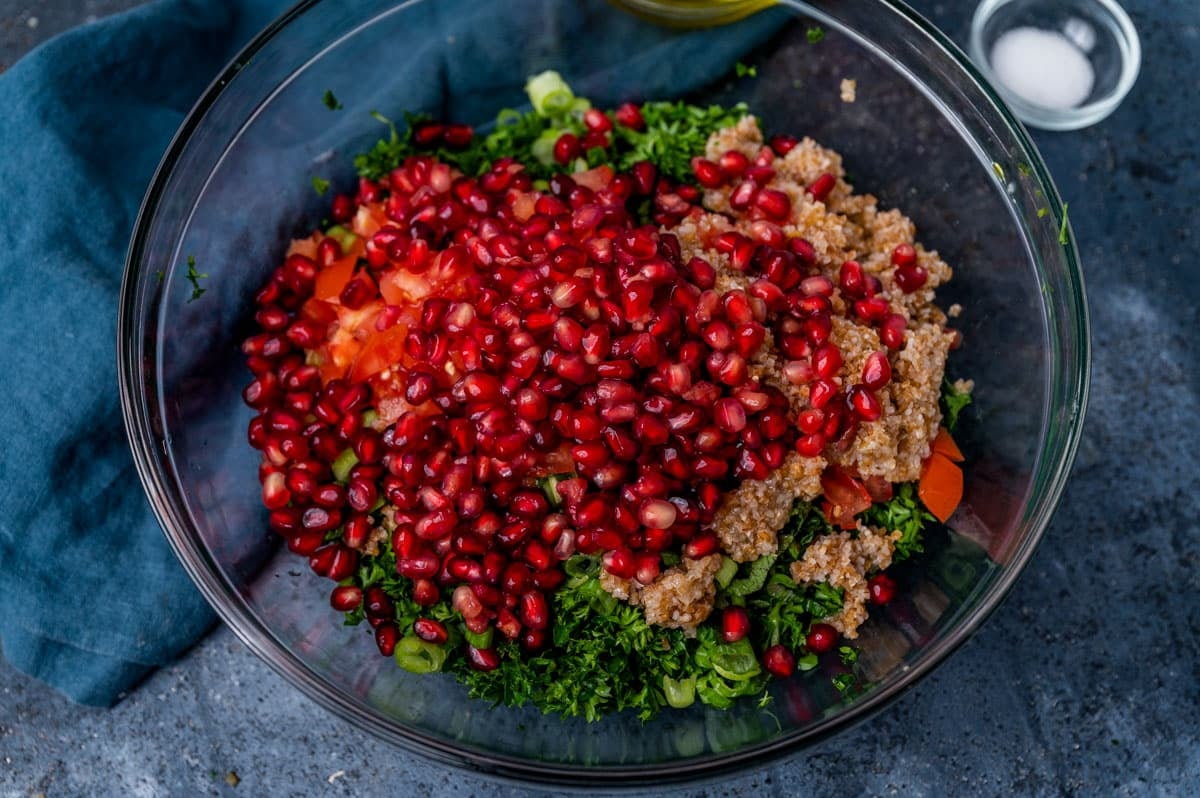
column 680, row 598
column 844, row 560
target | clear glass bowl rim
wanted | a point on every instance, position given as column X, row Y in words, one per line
column 162, row 488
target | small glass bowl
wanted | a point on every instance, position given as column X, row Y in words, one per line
column 1100, row 28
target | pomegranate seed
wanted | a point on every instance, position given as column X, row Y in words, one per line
column 904, row 255
column 708, row 174
column 821, row 392
column 386, row 637
column 891, row 331
column 773, row 203
column 342, row 208
column 620, row 563
column 783, row 144
column 882, row 589
column 910, row 278
column 483, row 659
column 465, row 602
column 810, row 445
column 821, row 187
column 730, row 415
column 733, row 164
column 743, row 195
column 425, row 593
column 345, row 598
column 735, row 624
column 567, row 148
column 657, row 514
column 871, row 310
column 630, row 116
column 864, row 403
column 877, row 372
column 779, row 662
column 430, row 631
column 701, row 546
column 827, row 361
column 821, row 638
column 534, row 612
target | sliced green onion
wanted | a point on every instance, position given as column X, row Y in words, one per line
column 543, row 146
column 549, row 93
column 344, row 237
column 680, row 693
column 419, row 656
column 342, row 465
column 479, row 639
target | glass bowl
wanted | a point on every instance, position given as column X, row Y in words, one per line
column 1099, row 30
column 926, row 133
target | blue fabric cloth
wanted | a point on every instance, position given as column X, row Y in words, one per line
column 91, row 597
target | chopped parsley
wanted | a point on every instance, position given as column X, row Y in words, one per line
column 320, row 185
column 194, row 277
column 999, row 170
column 815, row 34
column 331, row 101
column 845, row 683
column 1063, row 236
column 742, row 71
column 903, row 512
column 848, row 655
column 674, row 132
column 1041, row 212
column 953, row 402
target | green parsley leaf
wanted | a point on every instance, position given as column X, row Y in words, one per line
column 331, row 102
column 848, row 655
column 903, row 512
column 194, row 277
column 320, row 185
column 741, row 70
column 953, row 402
column 845, row 682
column 815, row 34
column 1041, row 212
column 1063, row 237
column 999, row 170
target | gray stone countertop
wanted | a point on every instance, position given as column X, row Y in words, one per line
column 1086, row 681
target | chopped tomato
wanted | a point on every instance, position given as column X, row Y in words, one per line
column 941, row 486
column 380, row 351
column 305, row 246
column 596, row 178
column 845, row 497
column 525, row 206
column 558, row 461
column 332, row 279
column 943, row 444
column 402, row 287
column 368, row 219
column 319, row 310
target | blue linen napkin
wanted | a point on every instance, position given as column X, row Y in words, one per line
column 91, row 597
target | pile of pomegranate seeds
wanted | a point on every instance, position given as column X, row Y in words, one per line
column 507, row 334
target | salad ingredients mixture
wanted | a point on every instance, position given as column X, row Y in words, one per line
column 606, row 410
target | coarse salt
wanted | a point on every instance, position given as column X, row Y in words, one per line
column 1043, row 67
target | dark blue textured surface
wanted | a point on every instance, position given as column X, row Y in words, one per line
column 1085, row 682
